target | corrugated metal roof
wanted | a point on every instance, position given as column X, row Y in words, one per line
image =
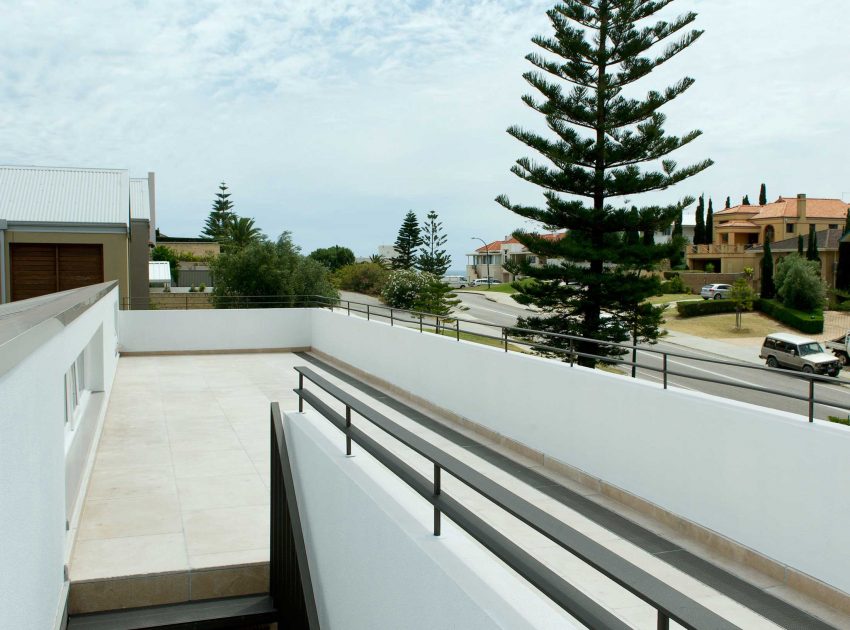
column 64, row 195
column 140, row 199
column 159, row 271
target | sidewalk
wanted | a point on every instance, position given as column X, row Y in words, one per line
column 498, row 298
column 722, row 349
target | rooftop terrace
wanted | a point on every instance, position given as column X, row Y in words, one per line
column 166, row 478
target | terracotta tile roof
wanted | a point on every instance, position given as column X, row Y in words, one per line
column 736, row 224
column 786, row 207
column 496, row 245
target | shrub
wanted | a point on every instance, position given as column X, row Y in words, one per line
column 709, row 268
column 811, row 323
column 705, row 307
column 369, row 278
column 333, row 258
column 418, row 291
column 675, row 285
column 669, row 275
column 840, row 420
column 799, row 285
column 202, row 287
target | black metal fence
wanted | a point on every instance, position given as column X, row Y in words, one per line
column 668, row 602
column 571, row 349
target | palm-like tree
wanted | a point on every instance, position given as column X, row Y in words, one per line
column 380, row 260
column 242, row 231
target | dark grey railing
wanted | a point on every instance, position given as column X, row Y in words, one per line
column 506, row 336
column 290, row 584
column 668, row 602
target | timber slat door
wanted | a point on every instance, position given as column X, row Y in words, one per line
column 42, row 268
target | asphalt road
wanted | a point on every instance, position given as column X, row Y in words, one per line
column 835, row 399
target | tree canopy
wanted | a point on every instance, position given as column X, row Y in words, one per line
column 604, row 144
column 334, row 257
column 220, row 216
column 408, row 239
column 432, row 257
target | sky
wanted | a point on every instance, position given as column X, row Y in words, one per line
column 332, row 118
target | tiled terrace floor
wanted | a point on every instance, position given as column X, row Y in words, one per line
column 180, row 489
column 180, row 481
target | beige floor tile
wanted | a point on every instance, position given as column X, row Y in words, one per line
column 133, row 555
column 228, row 558
column 132, row 516
column 202, row 493
column 204, row 437
column 206, row 463
column 120, row 483
column 233, row 529
column 119, row 457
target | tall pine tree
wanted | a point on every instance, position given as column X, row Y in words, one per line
column 709, row 223
column 600, row 138
column 763, row 195
column 408, row 239
column 728, row 202
column 432, row 258
column 699, row 228
column 768, row 290
column 677, row 258
column 221, row 216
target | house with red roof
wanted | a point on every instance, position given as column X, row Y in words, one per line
column 495, row 255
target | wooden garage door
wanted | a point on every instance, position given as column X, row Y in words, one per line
column 41, row 268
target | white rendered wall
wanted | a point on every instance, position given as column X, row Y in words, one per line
column 375, row 564
column 214, row 329
column 764, row 478
column 33, row 476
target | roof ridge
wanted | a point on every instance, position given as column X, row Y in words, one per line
column 90, row 169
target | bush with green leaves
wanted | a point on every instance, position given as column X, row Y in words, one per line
column 333, row 258
column 798, row 283
column 163, row 253
column 273, row 270
column 369, row 278
column 418, row 291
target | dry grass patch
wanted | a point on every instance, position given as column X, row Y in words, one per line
column 672, row 297
column 722, row 326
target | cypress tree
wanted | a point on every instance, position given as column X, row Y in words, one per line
column 598, row 50
column 768, row 290
column 842, row 277
column 677, row 258
column 763, row 195
column 745, row 201
column 408, row 239
column 728, row 202
column 709, row 223
column 432, row 258
column 812, row 249
column 699, row 228
column 221, row 216
column 800, row 244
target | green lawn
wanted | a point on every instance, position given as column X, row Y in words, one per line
column 672, row 297
column 487, row 341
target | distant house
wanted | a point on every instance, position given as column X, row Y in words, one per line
column 740, row 232
column 63, row 228
column 493, row 256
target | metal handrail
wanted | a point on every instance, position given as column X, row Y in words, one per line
column 668, row 602
column 508, row 336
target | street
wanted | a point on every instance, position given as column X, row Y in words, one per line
column 689, row 369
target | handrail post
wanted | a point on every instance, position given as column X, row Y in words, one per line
column 811, row 400
column 391, row 317
column 457, row 328
column 505, row 334
column 436, row 494
column 348, row 307
column 634, row 361
column 420, row 323
column 347, row 426
column 437, row 324
column 300, row 390
column 663, row 621
column 572, row 353
column 368, row 315
column 664, row 356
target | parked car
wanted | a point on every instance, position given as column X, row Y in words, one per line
column 840, row 348
column 456, row 282
column 715, row 291
column 798, row 353
column 485, row 281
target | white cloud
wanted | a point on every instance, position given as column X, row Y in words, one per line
column 332, row 118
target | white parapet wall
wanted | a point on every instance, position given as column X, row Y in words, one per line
column 765, row 479
column 47, row 443
column 374, row 562
column 215, row 330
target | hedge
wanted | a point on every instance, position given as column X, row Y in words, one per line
column 811, row 323
column 705, row 307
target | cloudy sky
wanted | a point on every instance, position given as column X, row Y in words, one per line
column 332, row 118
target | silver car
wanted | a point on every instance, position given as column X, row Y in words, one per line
column 798, row 353
column 715, row 291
